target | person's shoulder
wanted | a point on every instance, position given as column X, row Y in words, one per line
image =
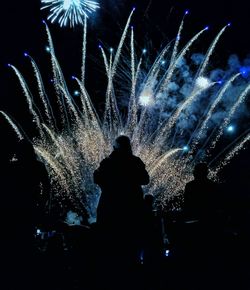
column 189, row 187
column 191, row 183
column 106, row 160
column 137, row 160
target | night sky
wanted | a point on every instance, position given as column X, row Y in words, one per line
column 155, row 24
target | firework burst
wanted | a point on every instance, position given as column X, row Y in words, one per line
column 69, row 12
column 74, row 152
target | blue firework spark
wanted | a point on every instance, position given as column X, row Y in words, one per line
column 69, row 12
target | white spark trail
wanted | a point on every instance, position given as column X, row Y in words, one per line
column 176, row 44
column 231, row 155
column 165, row 81
column 13, row 125
column 42, row 93
column 29, row 98
column 209, row 52
column 226, row 121
column 84, row 45
column 212, row 108
column 155, row 165
column 54, row 165
column 56, row 77
column 118, row 52
column 132, row 117
column 165, row 129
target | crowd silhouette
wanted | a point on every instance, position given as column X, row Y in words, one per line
column 130, row 246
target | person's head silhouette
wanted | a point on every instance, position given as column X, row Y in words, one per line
column 200, row 171
column 122, row 144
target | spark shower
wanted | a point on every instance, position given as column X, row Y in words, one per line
column 85, row 137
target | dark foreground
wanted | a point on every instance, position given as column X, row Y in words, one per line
column 191, row 258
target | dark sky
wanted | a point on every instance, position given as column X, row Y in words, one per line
column 155, row 21
column 21, row 27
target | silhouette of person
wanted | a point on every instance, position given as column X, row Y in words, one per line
column 201, row 195
column 30, row 186
column 121, row 205
column 201, row 204
column 27, row 196
column 120, row 177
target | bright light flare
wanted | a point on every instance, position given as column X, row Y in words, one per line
column 76, row 93
column 202, row 83
column 230, row 128
column 146, row 98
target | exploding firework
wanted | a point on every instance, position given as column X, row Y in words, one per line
column 69, row 12
column 72, row 154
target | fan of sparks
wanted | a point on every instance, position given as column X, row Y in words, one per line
column 69, row 12
column 72, row 153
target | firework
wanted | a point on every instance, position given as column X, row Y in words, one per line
column 73, row 153
column 69, row 12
